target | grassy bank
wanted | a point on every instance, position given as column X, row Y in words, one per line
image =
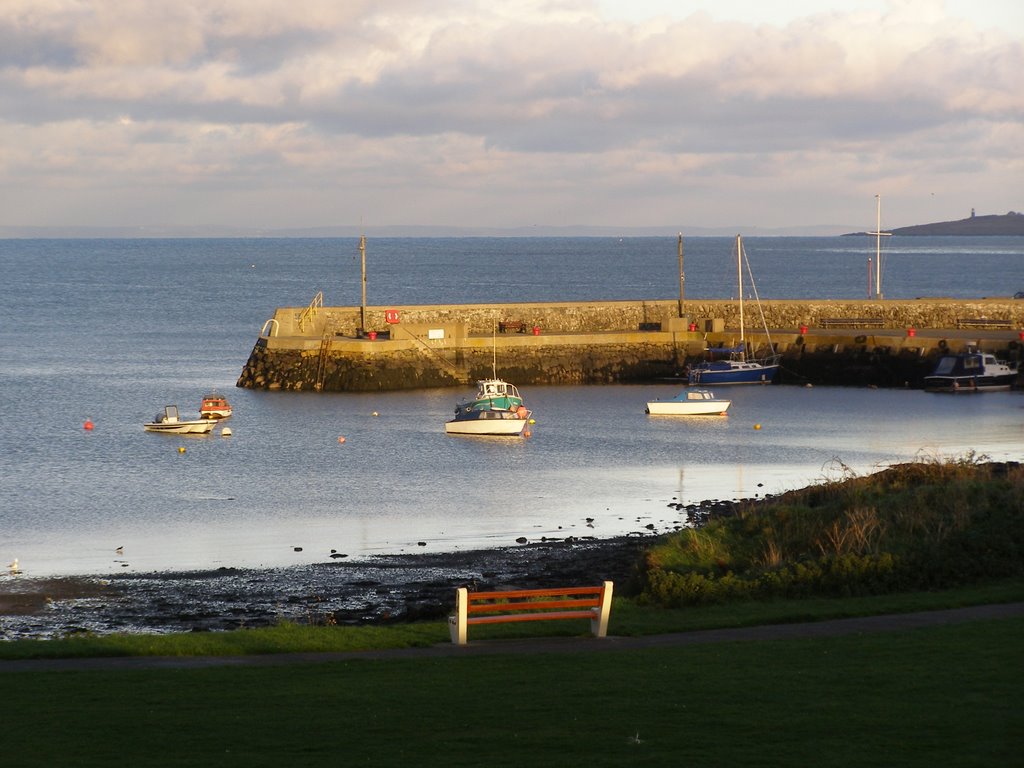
column 628, row 618
column 942, row 696
column 929, row 525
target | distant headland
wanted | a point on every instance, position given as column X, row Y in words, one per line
column 1011, row 223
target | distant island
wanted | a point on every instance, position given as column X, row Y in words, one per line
column 1010, row 224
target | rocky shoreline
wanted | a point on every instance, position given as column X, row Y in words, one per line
column 380, row 589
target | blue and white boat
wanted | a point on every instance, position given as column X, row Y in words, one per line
column 497, row 409
column 736, row 370
column 741, row 367
column 971, row 371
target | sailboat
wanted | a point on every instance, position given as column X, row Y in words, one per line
column 740, row 368
column 497, row 409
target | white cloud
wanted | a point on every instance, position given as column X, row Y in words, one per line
column 525, row 112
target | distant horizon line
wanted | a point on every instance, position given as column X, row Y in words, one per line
column 14, row 232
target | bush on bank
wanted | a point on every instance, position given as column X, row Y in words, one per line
column 922, row 525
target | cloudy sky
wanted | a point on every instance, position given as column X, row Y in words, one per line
column 265, row 114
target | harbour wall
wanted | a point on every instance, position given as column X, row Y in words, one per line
column 588, row 317
column 866, row 343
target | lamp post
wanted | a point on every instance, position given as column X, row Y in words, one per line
column 682, row 279
column 362, row 305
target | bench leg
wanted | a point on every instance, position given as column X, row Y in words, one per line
column 599, row 624
column 457, row 623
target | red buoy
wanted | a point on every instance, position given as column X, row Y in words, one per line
column 88, row 425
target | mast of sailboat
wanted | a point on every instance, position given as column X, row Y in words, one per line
column 739, row 282
column 879, row 234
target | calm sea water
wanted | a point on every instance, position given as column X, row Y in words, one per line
column 112, row 330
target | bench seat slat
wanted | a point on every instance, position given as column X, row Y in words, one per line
column 530, row 617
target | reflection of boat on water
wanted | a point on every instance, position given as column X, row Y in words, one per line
column 741, row 367
column 214, row 406
column 497, row 409
column 170, row 422
column 971, row 371
column 695, row 402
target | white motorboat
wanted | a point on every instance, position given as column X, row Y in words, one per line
column 170, row 422
column 694, row 402
column 497, row 409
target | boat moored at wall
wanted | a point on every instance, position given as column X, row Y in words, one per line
column 971, row 371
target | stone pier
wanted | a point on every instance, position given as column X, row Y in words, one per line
column 857, row 343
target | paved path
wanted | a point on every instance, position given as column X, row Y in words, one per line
column 832, row 628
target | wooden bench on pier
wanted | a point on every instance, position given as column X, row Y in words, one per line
column 983, row 322
column 516, row 326
column 593, row 603
column 851, row 322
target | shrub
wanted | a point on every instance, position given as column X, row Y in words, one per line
column 910, row 526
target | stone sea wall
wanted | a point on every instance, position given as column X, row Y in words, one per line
column 615, row 342
column 590, row 317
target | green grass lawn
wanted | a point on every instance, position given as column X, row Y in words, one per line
column 627, row 618
column 946, row 696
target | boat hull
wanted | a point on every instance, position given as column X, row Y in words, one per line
column 215, row 413
column 729, row 372
column 698, row 402
column 202, row 427
column 681, row 408
column 968, row 384
column 497, row 423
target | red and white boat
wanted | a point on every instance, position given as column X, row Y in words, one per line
column 214, row 407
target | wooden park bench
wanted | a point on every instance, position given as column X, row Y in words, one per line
column 593, row 603
column 518, row 326
column 851, row 322
column 983, row 322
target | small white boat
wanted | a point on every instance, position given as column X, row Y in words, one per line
column 694, row 402
column 497, row 409
column 214, row 406
column 169, row 422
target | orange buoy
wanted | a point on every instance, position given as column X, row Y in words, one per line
column 757, row 426
column 341, row 438
column 88, row 425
